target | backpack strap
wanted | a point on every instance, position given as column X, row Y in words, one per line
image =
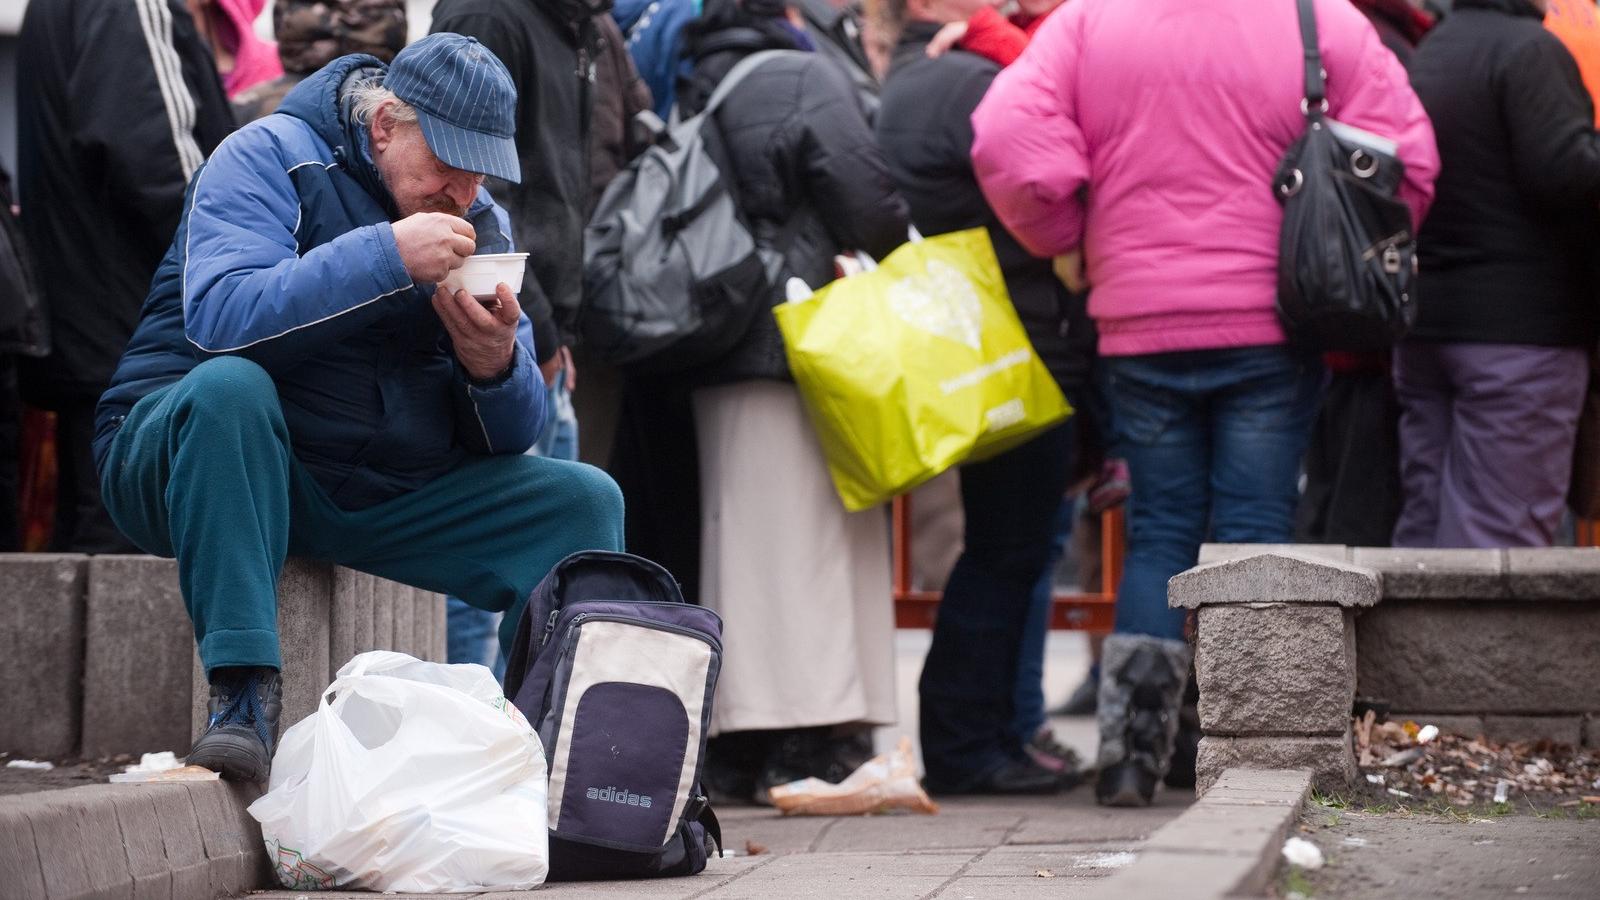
column 738, row 73
column 699, row 810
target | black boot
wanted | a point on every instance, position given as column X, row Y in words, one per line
column 1141, row 689
column 817, row 752
column 242, row 732
column 733, row 763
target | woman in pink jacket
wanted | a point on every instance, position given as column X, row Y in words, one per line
column 1146, row 135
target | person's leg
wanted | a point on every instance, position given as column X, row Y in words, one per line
column 469, row 634
column 1260, row 424
column 1365, row 501
column 1510, row 457
column 82, row 524
column 1330, row 439
column 969, row 677
column 1162, row 432
column 1159, row 406
column 487, row 532
column 1029, row 718
column 1427, row 417
column 201, row 470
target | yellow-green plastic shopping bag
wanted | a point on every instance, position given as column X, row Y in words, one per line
column 915, row 366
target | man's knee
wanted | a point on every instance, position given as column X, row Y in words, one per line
column 597, row 496
column 231, row 387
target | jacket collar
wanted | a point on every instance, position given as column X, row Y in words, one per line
column 913, row 42
column 323, row 102
column 1509, row 7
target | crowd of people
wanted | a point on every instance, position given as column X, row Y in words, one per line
column 246, row 357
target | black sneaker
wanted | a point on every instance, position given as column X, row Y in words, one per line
column 1015, row 777
column 242, row 732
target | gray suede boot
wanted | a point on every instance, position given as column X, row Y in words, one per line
column 1141, row 690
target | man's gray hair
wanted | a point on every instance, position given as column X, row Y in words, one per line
column 366, row 98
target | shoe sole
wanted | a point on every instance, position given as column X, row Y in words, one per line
column 232, row 763
column 1127, row 796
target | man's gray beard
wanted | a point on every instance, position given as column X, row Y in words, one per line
column 449, row 206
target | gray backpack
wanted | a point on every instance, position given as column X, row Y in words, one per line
column 673, row 275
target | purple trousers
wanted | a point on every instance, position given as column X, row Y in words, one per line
column 1486, row 442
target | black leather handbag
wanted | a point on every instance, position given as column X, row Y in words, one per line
column 1347, row 254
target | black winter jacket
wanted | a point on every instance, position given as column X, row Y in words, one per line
column 118, row 106
column 799, row 146
column 1508, row 252
column 925, row 129
column 548, row 46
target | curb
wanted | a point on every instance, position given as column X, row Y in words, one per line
column 1225, row 845
column 131, row 841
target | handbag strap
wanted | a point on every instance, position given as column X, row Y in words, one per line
column 1315, row 102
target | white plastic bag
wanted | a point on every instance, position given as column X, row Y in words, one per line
column 411, row 776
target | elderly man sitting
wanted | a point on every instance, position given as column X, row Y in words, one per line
column 297, row 384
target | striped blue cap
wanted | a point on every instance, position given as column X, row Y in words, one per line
column 465, row 100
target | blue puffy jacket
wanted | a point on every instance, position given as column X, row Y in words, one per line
column 285, row 256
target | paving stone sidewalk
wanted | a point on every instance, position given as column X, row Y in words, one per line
column 984, row 849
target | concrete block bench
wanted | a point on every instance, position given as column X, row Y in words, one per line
column 190, row 840
column 1498, row 642
column 97, row 653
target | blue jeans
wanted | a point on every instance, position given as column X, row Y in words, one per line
column 969, row 679
column 471, row 631
column 1029, row 715
column 1213, row 440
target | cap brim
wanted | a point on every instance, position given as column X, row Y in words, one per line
column 471, row 151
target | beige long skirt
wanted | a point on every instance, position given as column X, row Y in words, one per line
column 802, row 585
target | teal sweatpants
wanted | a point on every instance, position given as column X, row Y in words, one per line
column 203, row 470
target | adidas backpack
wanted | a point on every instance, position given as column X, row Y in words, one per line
column 616, row 672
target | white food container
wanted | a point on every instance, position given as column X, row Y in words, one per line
column 479, row 274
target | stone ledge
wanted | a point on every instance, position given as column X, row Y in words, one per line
column 1537, row 573
column 1555, row 729
column 1288, row 668
column 1554, row 573
column 1481, row 657
column 1215, row 553
column 1436, row 574
column 109, row 841
column 1275, row 577
column 1225, row 845
column 136, row 657
column 1329, row 758
column 41, row 652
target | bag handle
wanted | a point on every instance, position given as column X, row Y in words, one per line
column 1314, row 103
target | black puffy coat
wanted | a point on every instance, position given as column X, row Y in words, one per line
column 1508, row 250
column 118, row 105
column 799, row 146
column 925, row 127
column 548, row 46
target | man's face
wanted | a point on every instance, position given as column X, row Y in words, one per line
column 416, row 179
